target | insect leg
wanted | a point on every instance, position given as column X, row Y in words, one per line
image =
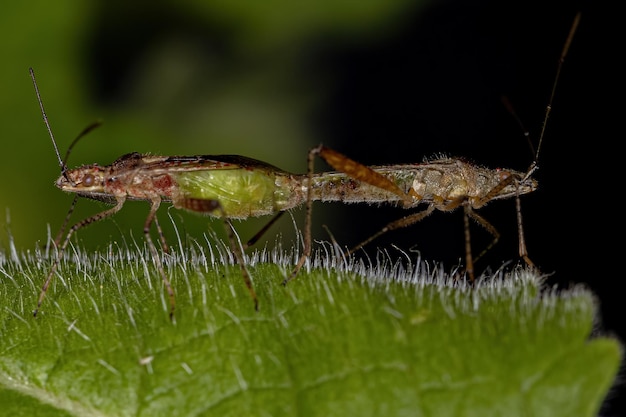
column 355, row 170
column 59, row 236
column 469, row 259
column 363, row 173
column 523, row 253
column 367, row 175
column 164, row 245
column 397, row 224
column 207, row 206
column 508, row 179
column 61, row 250
column 154, row 206
column 306, row 251
column 261, row 232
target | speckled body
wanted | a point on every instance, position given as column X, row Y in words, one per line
column 250, row 188
column 441, row 182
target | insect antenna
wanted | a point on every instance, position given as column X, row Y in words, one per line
column 568, row 41
column 45, row 120
column 509, row 107
column 62, row 162
column 85, row 131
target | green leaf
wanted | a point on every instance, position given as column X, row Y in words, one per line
column 365, row 341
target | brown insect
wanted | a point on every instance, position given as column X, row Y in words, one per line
column 441, row 184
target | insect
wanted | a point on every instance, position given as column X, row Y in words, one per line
column 238, row 187
column 442, row 184
column 226, row 186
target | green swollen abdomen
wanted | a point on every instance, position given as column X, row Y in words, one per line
column 241, row 192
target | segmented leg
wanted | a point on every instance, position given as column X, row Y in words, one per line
column 261, row 232
column 208, row 206
column 397, row 224
column 357, row 171
column 59, row 236
column 164, row 245
column 468, row 213
column 523, row 253
column 469, row 260
column 66, row 241
column 306, row 250
column 154, row 206
column 363, row 173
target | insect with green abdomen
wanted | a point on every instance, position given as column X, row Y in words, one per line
column 237, row 187
column 228, row 186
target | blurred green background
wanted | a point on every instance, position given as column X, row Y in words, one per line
column 173, row 78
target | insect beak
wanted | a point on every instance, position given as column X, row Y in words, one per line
column 63, row 182
column 529, row 185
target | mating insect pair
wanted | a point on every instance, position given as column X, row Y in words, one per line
column 237, row 187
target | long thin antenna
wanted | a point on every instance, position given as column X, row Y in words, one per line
column 535, row 165
column 86, row 130
column 568, row 42
column 45, row 120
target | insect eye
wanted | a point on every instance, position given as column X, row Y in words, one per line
column 88, row 180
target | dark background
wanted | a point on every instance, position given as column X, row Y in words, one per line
column 443, row 78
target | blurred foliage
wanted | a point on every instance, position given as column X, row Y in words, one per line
column 189, row 77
